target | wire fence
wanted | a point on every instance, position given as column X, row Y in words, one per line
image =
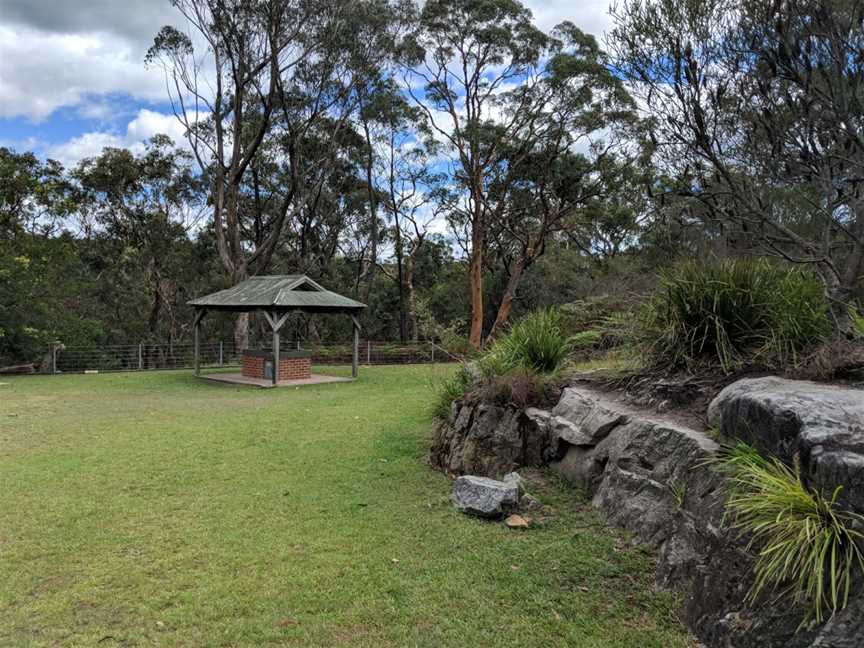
column 144, row 357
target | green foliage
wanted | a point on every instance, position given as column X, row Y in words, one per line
column 586, row 340
column 519, row 368
column 536, row 342
column 450, row 389
column 521, row 387
column 808, row 548
column 857, row 322
column 733, row 312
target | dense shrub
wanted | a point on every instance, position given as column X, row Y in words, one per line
column 733, row 312
column 519, row 368
column 535, row 342
column 808, row 548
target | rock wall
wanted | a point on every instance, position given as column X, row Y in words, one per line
column 647, row 473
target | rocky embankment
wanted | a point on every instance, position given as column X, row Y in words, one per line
column 647, row 473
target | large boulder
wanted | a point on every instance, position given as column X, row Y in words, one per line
column 822, row 424
column 484, row 497
column 581, row 418
column 490, row 440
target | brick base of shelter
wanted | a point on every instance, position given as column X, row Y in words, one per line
column 293, row 365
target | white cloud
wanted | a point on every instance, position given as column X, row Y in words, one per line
column 41, row 71
column 591, row 16
column 146, row 124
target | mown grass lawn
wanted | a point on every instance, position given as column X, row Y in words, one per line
column 159, row 510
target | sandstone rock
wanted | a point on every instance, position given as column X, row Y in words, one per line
column 715, row 611
column 490, row 440
column 485, row 497
column 823, row 424
column 514, row 479
column 591, row 418
column 516, row 521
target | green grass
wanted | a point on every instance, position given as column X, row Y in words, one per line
column 158, row 510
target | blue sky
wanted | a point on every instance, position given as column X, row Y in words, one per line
column 72, row 77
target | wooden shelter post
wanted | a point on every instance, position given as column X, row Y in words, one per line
column 276, row 323
column 199, row 315
column 355, row 358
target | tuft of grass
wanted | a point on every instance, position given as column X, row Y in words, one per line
column 518, row 368
column 733, row 312
column 450, row 389
column 808, row 548
column 536, row 342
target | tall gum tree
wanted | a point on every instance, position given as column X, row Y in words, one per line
column 756, row 115
column 462, row 55
column 497, row 91
column 255, row 85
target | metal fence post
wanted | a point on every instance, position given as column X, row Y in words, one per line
column 368, row 352
column 140, row 357
column 432, row 344
column 53, row 358
column 221, row 353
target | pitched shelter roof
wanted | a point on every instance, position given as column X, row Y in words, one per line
column 278, row 292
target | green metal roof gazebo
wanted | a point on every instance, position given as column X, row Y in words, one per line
column 277, row 296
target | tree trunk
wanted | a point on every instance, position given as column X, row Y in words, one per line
column 503, row 315
column 155, row 311
column 241, row 323
column 412, row 298
column 372, row 264
column 241, row 332
column 400, row 282
column 476, row 277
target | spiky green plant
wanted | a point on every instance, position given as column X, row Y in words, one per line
column 536, row 342
column 731, row 312
column 808, row 547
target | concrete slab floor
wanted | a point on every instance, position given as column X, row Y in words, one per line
column 238, row 379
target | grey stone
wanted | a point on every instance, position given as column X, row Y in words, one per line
column 591, row 417
column 491, row 440
column 649, row 475
column 514, row 479
column 485, row 497
column 845, row 629
column 822, row 424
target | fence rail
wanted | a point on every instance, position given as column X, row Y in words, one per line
column 144, row 357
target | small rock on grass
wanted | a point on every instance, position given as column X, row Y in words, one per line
column 516, row 521
column 485, row 497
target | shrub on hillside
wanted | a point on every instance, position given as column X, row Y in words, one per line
column 731, row 313
column 536, row 342
column 519, row 368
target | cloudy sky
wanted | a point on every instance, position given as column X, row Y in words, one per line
column 72, row 77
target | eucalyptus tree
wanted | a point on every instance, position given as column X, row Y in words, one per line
column 142, row 208
column 415, row 197
column 262, row 78
column 34, row 195
column 496, row 90
column 756, row 110
column 587, row 202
